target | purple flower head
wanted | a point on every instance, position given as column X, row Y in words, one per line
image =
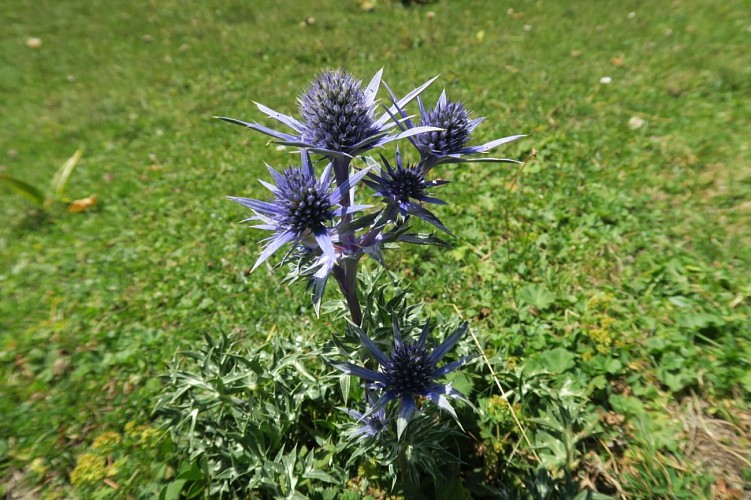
column 338, row 117
column 371, row 424
column 337, row 112
column 304, row 202
column 405, row 189
column 447, row 144
column 457, row 127
column 409, row 373
column 303, row 210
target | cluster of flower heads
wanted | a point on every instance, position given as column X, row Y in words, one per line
column 339, row 122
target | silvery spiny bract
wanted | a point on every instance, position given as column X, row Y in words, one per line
column 303, row 209
column 409, row 373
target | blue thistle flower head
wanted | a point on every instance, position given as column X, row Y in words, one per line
column 337, row 112
column 452, row 130
column 338, row 117
column 371, row 424
column 304, row 203
column 410, row 373
column 457, row 127
column 303, row 209
column 405, row 188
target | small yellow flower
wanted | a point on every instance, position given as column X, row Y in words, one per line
column 143, row 434
column 38, row 466
column 130, row 427
column 106, row 441
column 90, row 469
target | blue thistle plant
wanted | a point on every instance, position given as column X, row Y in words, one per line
column 409, row 373
column 405, row 190
column 448, row 144
column 338, row 117
column 303, row 211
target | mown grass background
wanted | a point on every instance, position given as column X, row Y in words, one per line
column 622, row 248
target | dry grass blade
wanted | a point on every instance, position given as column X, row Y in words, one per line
column 60, row 180
column 716, row 445
column 503, row 396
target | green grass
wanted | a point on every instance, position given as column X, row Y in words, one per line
column 618, row 258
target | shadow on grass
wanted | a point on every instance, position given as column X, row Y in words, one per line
column 32, row 220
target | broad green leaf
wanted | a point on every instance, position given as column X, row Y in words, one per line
column 537, row 296
column 329, row 494
column 626, row 405
column 746, row 381
column 23, row 188
column 461, row 382
column 172, row 490
column 344, row 384
column 320, row 476
column 558, row 360
column 190, row 472
column 349, row 495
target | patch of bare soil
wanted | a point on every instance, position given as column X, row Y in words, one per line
column 720, row 447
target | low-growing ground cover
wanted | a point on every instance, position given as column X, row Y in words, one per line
column 611, row 271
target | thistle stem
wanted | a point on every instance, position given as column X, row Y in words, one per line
column 346, row 275
column 427, row 162
column 341, row 174
column 346, row 272
column 402, row 462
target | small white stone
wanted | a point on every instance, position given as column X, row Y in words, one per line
column 635, row 122
column 606, row 80
column 34, row 43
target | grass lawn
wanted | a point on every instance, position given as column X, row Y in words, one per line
column 617, row 260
